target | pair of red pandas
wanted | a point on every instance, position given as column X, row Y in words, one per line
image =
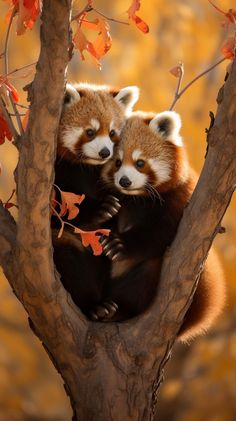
column 134, row 172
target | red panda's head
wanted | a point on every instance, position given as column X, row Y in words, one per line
column 92, row 119
column 150, row 156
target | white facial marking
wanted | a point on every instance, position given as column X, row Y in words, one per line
column 71, row 136
column 95, row 124
column 137, row 179
column 91, row 149
column 120, row 155
column 161, row 168
column 136, row 154
column 112, row 127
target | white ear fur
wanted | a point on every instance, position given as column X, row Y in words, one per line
column 167, row 124
column 71, row 95
column 127, row 97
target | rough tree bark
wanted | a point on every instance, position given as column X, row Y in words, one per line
column 111, row 371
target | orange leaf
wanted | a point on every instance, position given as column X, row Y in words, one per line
column 178, row 70
column 100, row 46
column 7, row 88
column 4, row 130
column 102, row 43
column 82, row 43
column 228, row 49
column 230, row 15
column 69, row 202
column 91, row 238
column 27, row 11
column 135, row 6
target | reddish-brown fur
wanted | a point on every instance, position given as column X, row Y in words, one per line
column 160, row 219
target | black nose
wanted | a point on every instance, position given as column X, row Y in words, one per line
column 125, row 181
column 104, row 153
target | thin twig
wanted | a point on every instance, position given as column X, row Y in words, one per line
column 7, row 40
column 111, row 19
column 194, row 80
column 14, row 115
column 22, row 106
column 85, row 10
column 16, row 112
column 21, row 68
column 180, row 78
column 18, row 119
column 8, row 119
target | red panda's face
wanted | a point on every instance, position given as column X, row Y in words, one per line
column 92, row 120
column 150, row 157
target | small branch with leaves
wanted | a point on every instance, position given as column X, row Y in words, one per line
column 69, row 208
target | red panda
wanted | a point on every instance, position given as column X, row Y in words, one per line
column 153, row 180
column 90, row 125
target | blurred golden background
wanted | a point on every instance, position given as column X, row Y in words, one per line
column 200, row 379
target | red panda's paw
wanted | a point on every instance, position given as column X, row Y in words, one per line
column 109, row 208
column 104, row 311
column 113, row 247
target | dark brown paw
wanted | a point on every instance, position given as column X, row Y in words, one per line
column 104, row 311
column 109, row 208
column 113, row 247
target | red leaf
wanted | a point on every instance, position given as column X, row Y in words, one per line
column 177, row 70
column 230, row 15
column 135, row 6
column 8, row 205
column 69, row 201
column 102, row 43
column 27, row 11
column 91, row 238
column 82, row 43
column 7, row 88
column 228, row 49
column 4, row 130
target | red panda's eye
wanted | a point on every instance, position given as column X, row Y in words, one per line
column 140, row 163
column 90, row 133
column 118, row 163
column 112, row 133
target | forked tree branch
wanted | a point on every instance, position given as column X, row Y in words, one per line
column 111, row 370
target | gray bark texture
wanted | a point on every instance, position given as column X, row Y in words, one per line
column 111, row 371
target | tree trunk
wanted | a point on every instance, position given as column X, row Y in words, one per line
column 111, row 371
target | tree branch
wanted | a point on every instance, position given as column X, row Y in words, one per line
column 115, row 363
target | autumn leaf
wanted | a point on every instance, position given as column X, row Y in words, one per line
column 27, row 13
column 4, row 129
column 92, row 239
column 100, row 46
column 135, row 6
column 6, row 89
column 103, row 42
column 68, row 204
column 230, row 14
column 228, row 49
column 177, row 70
column 9, row 205
column 82, row 43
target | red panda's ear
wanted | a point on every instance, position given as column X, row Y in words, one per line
column 127, row 97
column 71, row 95
column 167, row 125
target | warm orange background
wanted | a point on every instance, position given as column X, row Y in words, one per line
column 202, row 377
